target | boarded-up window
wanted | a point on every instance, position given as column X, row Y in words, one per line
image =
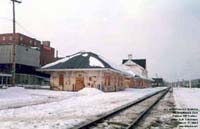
column 108, row 80
column 61, row 79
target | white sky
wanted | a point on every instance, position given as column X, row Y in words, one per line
column 166, row 33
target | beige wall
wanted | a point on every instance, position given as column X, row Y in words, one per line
column 103, row 80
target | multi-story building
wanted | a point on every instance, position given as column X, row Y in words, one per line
column 27, row 58
column 30, row 55
column 47, row 53
column 19, row 39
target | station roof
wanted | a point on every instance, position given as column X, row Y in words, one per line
column 82, row 61
column 141, row 62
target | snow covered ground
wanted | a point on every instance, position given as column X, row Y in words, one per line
column 18, row 97
column 66, row 110
column 188, row 99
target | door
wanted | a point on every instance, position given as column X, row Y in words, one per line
column 61, row 81
column 79, row 83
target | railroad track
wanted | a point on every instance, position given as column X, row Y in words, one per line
column 127, row 116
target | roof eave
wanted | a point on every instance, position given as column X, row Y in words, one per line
column 58, row 70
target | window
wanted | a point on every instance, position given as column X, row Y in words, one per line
column 35, row 43
column 21, row 38
column 4, row 38
column 108, row 80
column 10, row 38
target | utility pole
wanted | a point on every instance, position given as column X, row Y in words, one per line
column 190, row 83
column 14, row 44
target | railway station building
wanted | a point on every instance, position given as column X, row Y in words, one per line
column 85, row 69
column 138, row 67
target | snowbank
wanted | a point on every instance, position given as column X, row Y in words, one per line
column 90, row 91
column 14, row 92
column 68, row 112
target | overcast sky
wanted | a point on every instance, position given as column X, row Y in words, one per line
column 165, row 32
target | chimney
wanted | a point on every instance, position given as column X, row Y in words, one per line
column 130, row 56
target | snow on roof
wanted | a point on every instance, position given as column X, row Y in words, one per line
column 79, row 60
column 95, row 62
column 115, row 66
column 90, row 91
column 131, row 72
column 85, row 55
column 60, row 61
column 130, row 62
column 86, row 60
column 36, row 48
column 14, row 92
column 128, row 70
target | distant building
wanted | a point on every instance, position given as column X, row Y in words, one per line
column 30, row 55
column 138, row 66
column 47, row 53
column 20, row 39
column 158, row 82
column 195, row 83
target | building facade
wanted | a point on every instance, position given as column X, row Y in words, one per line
column 45, row 50
column 29, row 55
column 158, row 82
column 138, row 67
column 24, row 55
column 47, row 53
column 84, row 69
column 104, row 80
column 195, row 83
column 19, row 39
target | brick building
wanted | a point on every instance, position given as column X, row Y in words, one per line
column 30, row 55
column 20, row 39
column 47, row 53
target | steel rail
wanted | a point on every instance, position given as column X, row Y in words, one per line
column 139, row 118
column 91, row 123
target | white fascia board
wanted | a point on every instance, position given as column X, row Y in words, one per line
column 59, row 70
column 91, row 69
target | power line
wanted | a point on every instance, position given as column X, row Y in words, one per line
column 19, row 25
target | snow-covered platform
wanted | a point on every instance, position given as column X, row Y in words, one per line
column 66, row 110
column 188, row 100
